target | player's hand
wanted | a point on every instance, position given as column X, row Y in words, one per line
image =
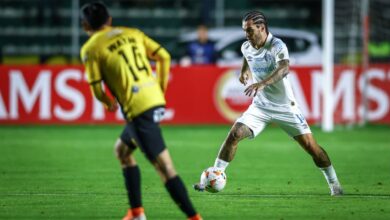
column 254, row 88
column 244, row 77
column 113, row 106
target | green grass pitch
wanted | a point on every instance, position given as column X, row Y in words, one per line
column 70, row 172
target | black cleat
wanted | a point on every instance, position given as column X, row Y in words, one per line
column 198, row 187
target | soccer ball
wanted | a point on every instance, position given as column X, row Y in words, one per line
column 213, row 179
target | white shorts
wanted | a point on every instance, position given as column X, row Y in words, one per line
column 289, row 119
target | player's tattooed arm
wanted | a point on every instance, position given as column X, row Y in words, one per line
column 279, row 73
column 245, row 72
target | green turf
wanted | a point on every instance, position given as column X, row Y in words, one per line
column 69, row 172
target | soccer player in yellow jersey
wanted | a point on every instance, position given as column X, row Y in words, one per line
column 119, row 57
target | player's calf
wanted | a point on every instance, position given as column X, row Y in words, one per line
column 164, row 166
column 173, row 183
column 309, row 144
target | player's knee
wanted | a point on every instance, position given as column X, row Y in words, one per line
column 119, row 149
column 165, row 169
column 236, row 134
column 123, row 154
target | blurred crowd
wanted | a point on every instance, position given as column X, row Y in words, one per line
column 43, row 31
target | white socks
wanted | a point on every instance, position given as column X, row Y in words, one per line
column 330, row 174
column 221, row 164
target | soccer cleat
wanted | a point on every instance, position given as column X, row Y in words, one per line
column 135, row 214
column 140, row 217
column 195, row 217
column 335, row 189
column 128, row 216
column 199, row 187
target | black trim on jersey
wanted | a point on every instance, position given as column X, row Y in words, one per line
column 154, row 52
column 124, row 114
column 94, row 82
column 247, row 44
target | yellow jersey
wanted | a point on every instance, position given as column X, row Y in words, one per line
column 119, row 56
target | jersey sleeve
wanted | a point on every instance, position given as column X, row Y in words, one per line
column 156, row 52
column 91, row 64
column 151, row 46
column 280, row 51
column 244, row 46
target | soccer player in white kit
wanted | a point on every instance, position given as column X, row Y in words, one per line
column 266, row 61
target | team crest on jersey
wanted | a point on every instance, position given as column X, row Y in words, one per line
column 135, row 89
column 281, row 56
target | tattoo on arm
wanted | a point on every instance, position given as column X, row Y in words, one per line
column 279, row 73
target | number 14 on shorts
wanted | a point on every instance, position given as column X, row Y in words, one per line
column 300, row 118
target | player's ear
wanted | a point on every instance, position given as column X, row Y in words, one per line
column 86, row 26
column 109, row 21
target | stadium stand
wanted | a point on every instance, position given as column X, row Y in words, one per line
column 40, row 31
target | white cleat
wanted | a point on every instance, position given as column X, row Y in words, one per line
column 140, row 217
column 201, row 186
column 335, row 189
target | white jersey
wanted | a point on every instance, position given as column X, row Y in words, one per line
column 262, row 62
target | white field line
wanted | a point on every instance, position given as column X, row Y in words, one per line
column 308, row 196
column 354, row 196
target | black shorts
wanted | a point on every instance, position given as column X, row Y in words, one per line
column 144, row 132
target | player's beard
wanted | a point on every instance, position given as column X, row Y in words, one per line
column 252, row 43
column 256, row 41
